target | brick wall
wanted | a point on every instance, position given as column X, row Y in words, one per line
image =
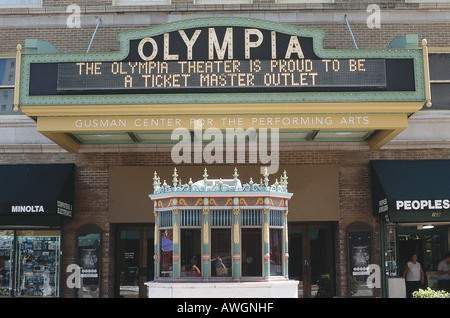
column 428, row 20
column 356, row 3
column 337, row 36
column 92, row 184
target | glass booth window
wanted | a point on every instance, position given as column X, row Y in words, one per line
column 221, row 252
column 190, row 252
column 276, row 248
column 251, row 252
column 166, row 253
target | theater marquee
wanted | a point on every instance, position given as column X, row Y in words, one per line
column 222, row 73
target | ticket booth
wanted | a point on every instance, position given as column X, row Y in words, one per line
column 214, row 235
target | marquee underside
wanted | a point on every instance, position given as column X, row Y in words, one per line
column 72, row 126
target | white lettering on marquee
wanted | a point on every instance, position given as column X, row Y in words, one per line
column 215, row 48
column 141, row 122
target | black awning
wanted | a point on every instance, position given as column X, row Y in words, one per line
column 411, row 190
column 41, row 189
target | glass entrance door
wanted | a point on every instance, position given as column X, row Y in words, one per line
column 311, row 259
column 134, row 260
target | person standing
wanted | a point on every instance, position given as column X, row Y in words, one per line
column 443, row 270
column 414, row 276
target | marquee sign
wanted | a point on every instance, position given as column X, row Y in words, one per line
column 232, row 72
column 211, row 75
column 221, row 58
column 216, row 56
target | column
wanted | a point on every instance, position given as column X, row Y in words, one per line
column 176, row 243
column 155, row 246
column 206, row 254
column 286, row 245
column 266, row 250
column 236, row 245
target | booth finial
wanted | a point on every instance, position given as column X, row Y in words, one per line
column 235, row 175
column 266, row 177
column 175, row 179
column 205, row 176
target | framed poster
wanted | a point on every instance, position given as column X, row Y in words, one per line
column 359, row 237
column 89, row 260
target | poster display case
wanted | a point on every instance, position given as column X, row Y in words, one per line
column 360, row 257
column 89, row 260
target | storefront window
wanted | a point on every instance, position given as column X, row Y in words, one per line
column 6, row 257
column 276, row 248
column 221, row 252
column 38, row 255
column 166, row 252
column 251, row 252
column 391, row 252
column 190, row 252
column 428, row 244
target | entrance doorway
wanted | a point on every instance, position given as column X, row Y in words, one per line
column 311, row 259
column 134, row 259
column 430, row 243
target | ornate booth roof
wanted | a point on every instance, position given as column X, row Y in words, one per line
column 217, row 189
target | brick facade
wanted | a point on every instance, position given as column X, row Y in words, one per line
column 398, row 18
column 92, row 195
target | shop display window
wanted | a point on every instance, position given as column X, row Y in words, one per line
column 6, row 257
column 391, row 252
column 38, row 261
column 429, row 245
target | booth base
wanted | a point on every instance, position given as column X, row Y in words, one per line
column 270, row 289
